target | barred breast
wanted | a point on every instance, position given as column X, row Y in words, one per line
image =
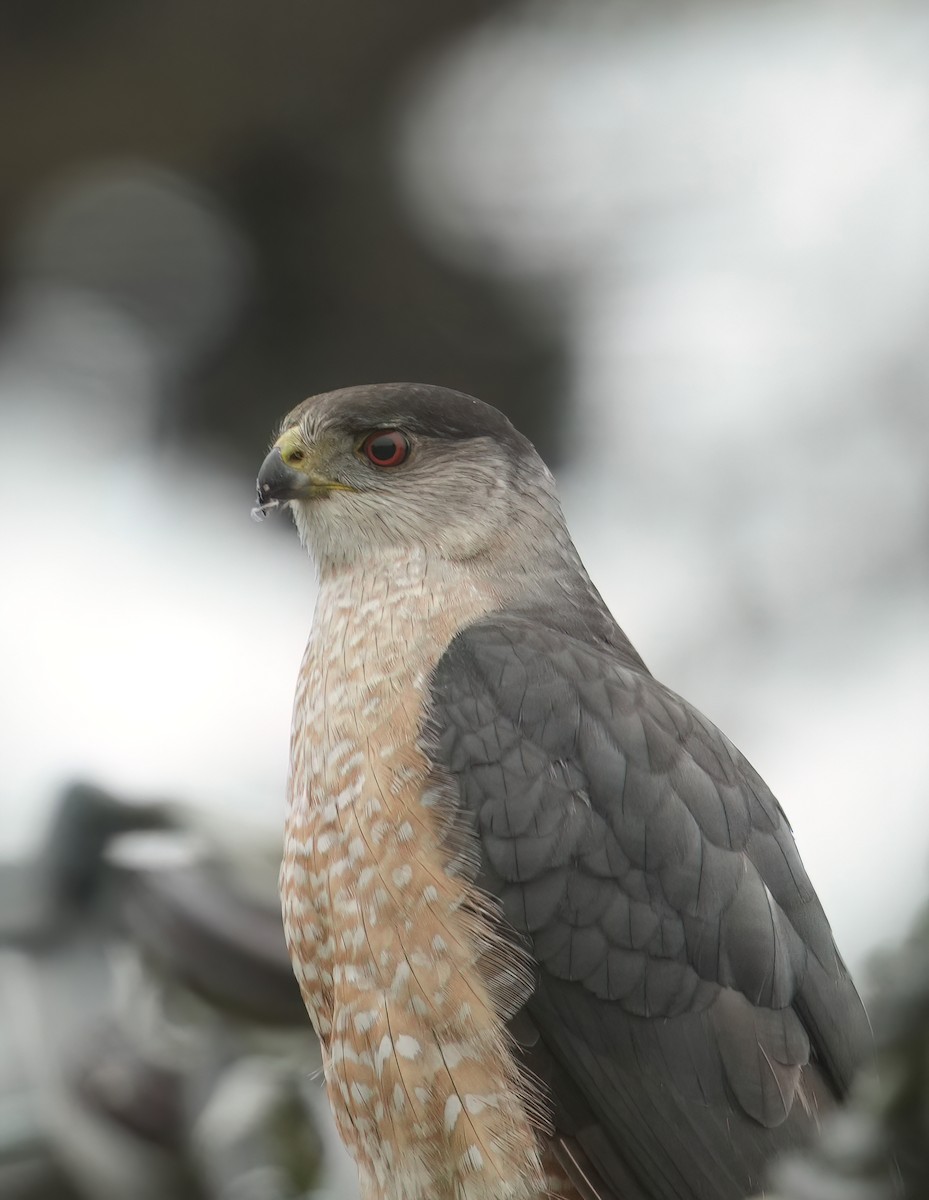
column 398, row 961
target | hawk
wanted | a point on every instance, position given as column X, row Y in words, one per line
column 550, row 926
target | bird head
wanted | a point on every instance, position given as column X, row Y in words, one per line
column 394, row 466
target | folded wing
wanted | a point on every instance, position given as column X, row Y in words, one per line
column 691, row 1012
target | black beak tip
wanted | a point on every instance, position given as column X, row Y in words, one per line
column 276, row 482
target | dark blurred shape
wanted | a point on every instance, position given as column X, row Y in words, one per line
column 221, row 944
column 135, row 1005
column 86, row 821
column 26, row 23
column 42, row 901
column 120, row 1084
column 283, row 113
column 123, row 279
column 146, row 244
column 877, row 1148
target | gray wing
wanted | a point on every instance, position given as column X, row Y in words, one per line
column 691, row 1011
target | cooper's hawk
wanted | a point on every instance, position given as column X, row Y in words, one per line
column 547, row 920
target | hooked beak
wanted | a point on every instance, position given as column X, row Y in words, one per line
column 280, row 480
column 277, row 481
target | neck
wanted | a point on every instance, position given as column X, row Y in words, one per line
column 405, row 592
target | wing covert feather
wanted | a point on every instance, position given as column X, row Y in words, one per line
column 689, row 996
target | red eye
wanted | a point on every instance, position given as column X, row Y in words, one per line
column 386, row 448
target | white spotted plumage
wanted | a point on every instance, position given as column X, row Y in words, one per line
column 388, row 957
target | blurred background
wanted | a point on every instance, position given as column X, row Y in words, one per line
column 684, row 245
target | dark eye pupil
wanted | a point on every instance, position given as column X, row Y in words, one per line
column 384, row 448
column 387, row 449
